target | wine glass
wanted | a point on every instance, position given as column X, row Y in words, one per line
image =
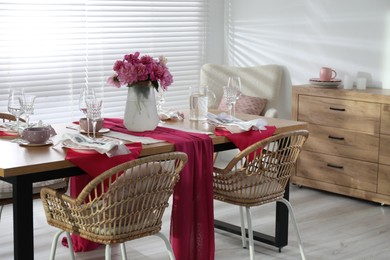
column 15, row 105
column 160, row 100
column 86, row 94
column 28, row 107
column 234, row 84
column 94, row 109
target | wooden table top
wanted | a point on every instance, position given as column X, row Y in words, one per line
column 20, row 160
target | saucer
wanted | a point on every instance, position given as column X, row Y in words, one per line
column 327, row 83
column 101, row 131
column 27, row 143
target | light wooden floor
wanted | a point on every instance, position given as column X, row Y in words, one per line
column 332, row 227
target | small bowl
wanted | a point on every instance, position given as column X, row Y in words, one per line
column 36, row 135
column 84, row 126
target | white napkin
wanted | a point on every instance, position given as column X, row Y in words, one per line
column 235, row 125
column 109, row 147
column 11, row 126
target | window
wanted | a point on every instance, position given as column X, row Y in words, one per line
column 54, row 48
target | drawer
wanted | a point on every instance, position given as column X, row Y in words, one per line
column 340, row 113
column 345, row 143
column 384, row 149
column 385, row 119
column 340, row 171
column 384, row 179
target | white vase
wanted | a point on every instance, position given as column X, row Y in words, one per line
column 141, row 111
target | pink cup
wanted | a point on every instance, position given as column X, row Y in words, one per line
column 327, row 74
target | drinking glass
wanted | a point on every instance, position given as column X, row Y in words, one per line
column 94, row 111
column 28, row 107
column 15, row 105
column 86, row 94
column 234, row 84
column 160, row 101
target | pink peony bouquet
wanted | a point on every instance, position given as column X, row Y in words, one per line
column 137, row 70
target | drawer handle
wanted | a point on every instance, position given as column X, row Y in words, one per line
column 337, row 109
column 335, row 137
column 335, row 166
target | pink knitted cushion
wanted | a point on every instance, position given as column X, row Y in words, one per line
column 246, row 104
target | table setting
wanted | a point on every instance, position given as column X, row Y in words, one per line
column 95, row 144
column 186, row 223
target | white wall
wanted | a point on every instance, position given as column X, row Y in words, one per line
column 351, row 36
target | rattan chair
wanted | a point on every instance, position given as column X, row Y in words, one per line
column 124, row 203
column 6, row 188
column 258, row 175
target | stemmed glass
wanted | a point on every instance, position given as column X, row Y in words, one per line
column 86, row 95
column 15, row 105
column 28, row 107
column 234, row 83
column 231, row 93
column 94, row 111
column 160, row 100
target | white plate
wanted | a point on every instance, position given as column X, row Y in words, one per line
column 101, row 131
column 27, row 143
column 330, row 83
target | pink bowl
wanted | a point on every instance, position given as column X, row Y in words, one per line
column 36, row 135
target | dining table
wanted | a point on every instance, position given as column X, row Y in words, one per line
column 23, row 165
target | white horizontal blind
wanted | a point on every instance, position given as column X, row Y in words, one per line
column 54, row 48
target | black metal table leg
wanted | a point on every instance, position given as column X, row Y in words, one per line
column 23, row 219
column 22, row 187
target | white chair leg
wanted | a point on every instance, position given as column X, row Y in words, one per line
column 70, row 245
column 54, row 245
column 167, row 244
column 108, row 252
column 242, row 219
column 290, row 209
column 1, row 210
column 123, row 251
column 250, row 234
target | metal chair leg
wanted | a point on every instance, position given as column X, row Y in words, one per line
column 108, row 252
column 243, row 235
column 290, row 209
column 54, row 245
column 123, row 251
column 1, row 210
column 167, row 244
column 250, row 234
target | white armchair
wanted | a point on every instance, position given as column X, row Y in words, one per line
column 259, row 81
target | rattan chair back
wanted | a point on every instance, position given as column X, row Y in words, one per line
column 259, row 174
column 124, row 203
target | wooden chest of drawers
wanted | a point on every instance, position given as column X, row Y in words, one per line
column 348, row 150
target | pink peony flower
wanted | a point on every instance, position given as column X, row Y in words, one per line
column 133, row 69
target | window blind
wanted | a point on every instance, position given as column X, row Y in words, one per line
column 52, row 49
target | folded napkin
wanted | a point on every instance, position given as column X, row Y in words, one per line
column 171, row 115
column 9, row 128
column 235, row 125
column 103, row 146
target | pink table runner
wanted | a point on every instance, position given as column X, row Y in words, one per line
column 192, row 218
column 245, row 139
column 93, row 163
